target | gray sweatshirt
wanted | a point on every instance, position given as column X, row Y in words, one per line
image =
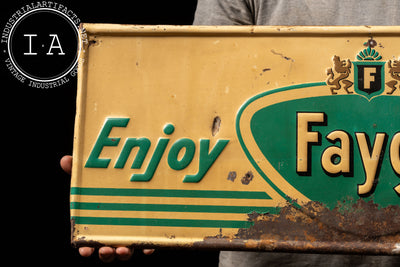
column 298, row 12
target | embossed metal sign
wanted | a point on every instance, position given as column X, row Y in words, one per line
column 249, row 138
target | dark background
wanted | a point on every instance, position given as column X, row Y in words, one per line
column 37, row 130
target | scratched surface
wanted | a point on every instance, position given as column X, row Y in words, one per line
column 242, row 138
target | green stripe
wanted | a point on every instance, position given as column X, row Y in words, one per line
column 170, row 208
column 168, row 193
column 161, row 222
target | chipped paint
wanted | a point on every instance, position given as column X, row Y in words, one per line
column 351, row 227
column 247, row 178
column 396, row 249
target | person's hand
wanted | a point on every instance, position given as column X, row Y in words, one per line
column 106, row 254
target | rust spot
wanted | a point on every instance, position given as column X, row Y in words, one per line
column 93, row 41
column 361, row 220
column 351, row 227
column 264, row 70
column 72, row 229
column 87, row 243
column 281, row 55
column 371, row 42
column 252, row 30
column 359, row 217
column 170, row 236
column 247, row 178
column 232, row 176
column 216, row 125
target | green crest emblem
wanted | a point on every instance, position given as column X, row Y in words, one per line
column 369, row 73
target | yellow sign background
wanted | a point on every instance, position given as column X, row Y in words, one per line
column 186, row 76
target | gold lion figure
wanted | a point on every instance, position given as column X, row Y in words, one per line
column 394, row 70
column 338, row 75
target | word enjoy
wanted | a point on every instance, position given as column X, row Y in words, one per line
column 207, row 157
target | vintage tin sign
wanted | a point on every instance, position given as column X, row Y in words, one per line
column 249, row 138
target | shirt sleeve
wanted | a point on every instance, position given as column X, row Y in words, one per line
column 224, row 12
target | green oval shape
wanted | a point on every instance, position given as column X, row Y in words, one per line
column 274, row 128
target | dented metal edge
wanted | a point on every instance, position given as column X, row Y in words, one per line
column 118, row 29
column 370, row 248
column 80, row 100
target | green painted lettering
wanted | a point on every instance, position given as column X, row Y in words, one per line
column 206, row 159
column 155, row 159
column 187, row 158
column 180, row 154
column 103, row 140
column 130, row 143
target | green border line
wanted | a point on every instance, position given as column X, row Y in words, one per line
column 168, row 193
column 161, row 222
column 170, row 208
column 238, row 133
